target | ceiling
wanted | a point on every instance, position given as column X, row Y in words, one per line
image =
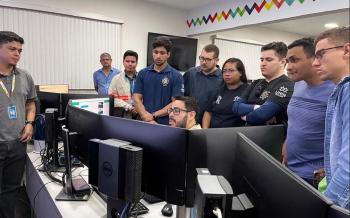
column 183, row 4
column 310, row 26
column 307, row 25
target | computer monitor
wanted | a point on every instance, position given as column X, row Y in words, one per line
column 214, row 149
column 48, row 100
column 65, row 97
column 60, row 100
column 164, row 155
column 88, row 126
column 99, row 106
column 273, row 189
column 164, row 150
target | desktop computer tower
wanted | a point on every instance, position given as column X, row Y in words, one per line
column 51, row 131
column 120, row 170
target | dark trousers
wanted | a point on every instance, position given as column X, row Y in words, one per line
column 12, row 161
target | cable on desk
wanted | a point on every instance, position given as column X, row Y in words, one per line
column 122, row 215
column 36, row 194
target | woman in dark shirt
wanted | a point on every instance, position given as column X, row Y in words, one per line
column 218, row 113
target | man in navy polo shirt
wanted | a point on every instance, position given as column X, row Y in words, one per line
column 104, row 76
column 203, row 82
column 157, row 85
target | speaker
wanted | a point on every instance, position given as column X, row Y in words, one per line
column 120, row 170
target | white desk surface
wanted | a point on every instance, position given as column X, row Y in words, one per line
column 95, row 206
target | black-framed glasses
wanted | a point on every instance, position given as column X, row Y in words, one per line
column 320, row 53
column 176, row 110
column 206, row 60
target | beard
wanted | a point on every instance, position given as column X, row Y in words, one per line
column 181, row 123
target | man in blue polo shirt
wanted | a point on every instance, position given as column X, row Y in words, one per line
column 157, row 85
column 203, row 82
column 104, row 76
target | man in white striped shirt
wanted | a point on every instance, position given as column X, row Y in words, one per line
column 122, row 86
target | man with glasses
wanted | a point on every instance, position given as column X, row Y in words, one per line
column 303, row 150
column 203, row 82
column 157, row 85
column 265, row 101
column 183, row 113
column 103, row 77
column 332, row 63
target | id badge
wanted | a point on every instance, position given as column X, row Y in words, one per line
column 12, row 112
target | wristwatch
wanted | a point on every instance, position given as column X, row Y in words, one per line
column 29, row 122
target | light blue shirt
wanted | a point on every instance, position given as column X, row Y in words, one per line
column 305, row 135
column 336, row 146
column 102, row 82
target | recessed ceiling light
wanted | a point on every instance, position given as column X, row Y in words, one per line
column 331, row 25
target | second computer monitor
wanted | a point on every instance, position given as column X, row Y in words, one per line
column 272, row 188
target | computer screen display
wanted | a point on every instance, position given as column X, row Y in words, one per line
column 99, row 106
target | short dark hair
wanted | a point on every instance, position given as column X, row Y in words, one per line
column 279, row 47
column 240, row 67
column 131, row 53
column 162, row 41
column 104, row 54
column 337, row 36
column 212, row 48
column 7, row 36
column 307, row 44
column 191, row 103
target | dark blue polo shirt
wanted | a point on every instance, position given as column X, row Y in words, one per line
column 202, row 87
column 157, row 88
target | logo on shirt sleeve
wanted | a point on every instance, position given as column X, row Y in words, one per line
column 264, row 95
column 282, row 92
column 218, row 100
column 165, row 81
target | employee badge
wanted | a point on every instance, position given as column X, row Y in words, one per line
column 12, row 112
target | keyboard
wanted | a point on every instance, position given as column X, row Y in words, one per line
column 138, row 209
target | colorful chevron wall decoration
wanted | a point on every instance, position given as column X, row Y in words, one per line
column 246, row 10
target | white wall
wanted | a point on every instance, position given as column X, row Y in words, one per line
column 255, row 34
column 138, row 16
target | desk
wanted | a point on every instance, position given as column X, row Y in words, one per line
column 42, row 192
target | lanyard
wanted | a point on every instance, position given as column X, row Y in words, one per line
column 13, row 86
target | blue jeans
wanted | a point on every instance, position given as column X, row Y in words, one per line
column 12, row 161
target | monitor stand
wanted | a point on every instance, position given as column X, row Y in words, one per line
column 67, row 193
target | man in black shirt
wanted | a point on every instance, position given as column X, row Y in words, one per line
column 203, row 82
column 265, row 101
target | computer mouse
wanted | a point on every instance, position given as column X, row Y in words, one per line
column 167, row 210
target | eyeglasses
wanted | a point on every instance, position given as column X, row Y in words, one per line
column 176, row 110
column 320, row 53
column 206, row 60
column 229, row 70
